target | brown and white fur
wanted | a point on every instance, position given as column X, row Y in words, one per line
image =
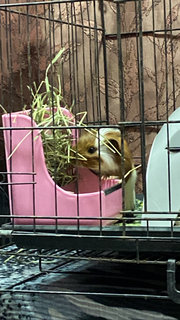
column 94, row 147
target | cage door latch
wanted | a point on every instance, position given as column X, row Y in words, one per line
column 173, row 293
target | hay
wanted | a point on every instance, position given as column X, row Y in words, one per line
column 46, row 109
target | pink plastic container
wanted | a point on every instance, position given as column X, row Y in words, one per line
column 32, row 192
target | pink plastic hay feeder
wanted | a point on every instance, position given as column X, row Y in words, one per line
column 33, row 193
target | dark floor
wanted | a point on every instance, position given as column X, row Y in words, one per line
column 19, row 271
column 85, row 277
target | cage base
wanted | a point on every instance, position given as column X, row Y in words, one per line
column 120, row 238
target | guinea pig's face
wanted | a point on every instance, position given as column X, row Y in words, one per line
column 105, row 161
column 87, row 148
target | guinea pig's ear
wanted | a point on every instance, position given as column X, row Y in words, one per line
column 115, row 144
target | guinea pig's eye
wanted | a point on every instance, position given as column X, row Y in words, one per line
column 92, row 150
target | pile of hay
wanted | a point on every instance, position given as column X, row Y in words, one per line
column 46, row 111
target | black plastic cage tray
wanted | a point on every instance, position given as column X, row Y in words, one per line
column 123, row 239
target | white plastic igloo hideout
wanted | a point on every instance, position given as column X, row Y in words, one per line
column 163, row 175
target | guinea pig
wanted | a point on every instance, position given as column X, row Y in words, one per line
column 102, row 154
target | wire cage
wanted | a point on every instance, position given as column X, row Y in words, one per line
column 107, row 68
